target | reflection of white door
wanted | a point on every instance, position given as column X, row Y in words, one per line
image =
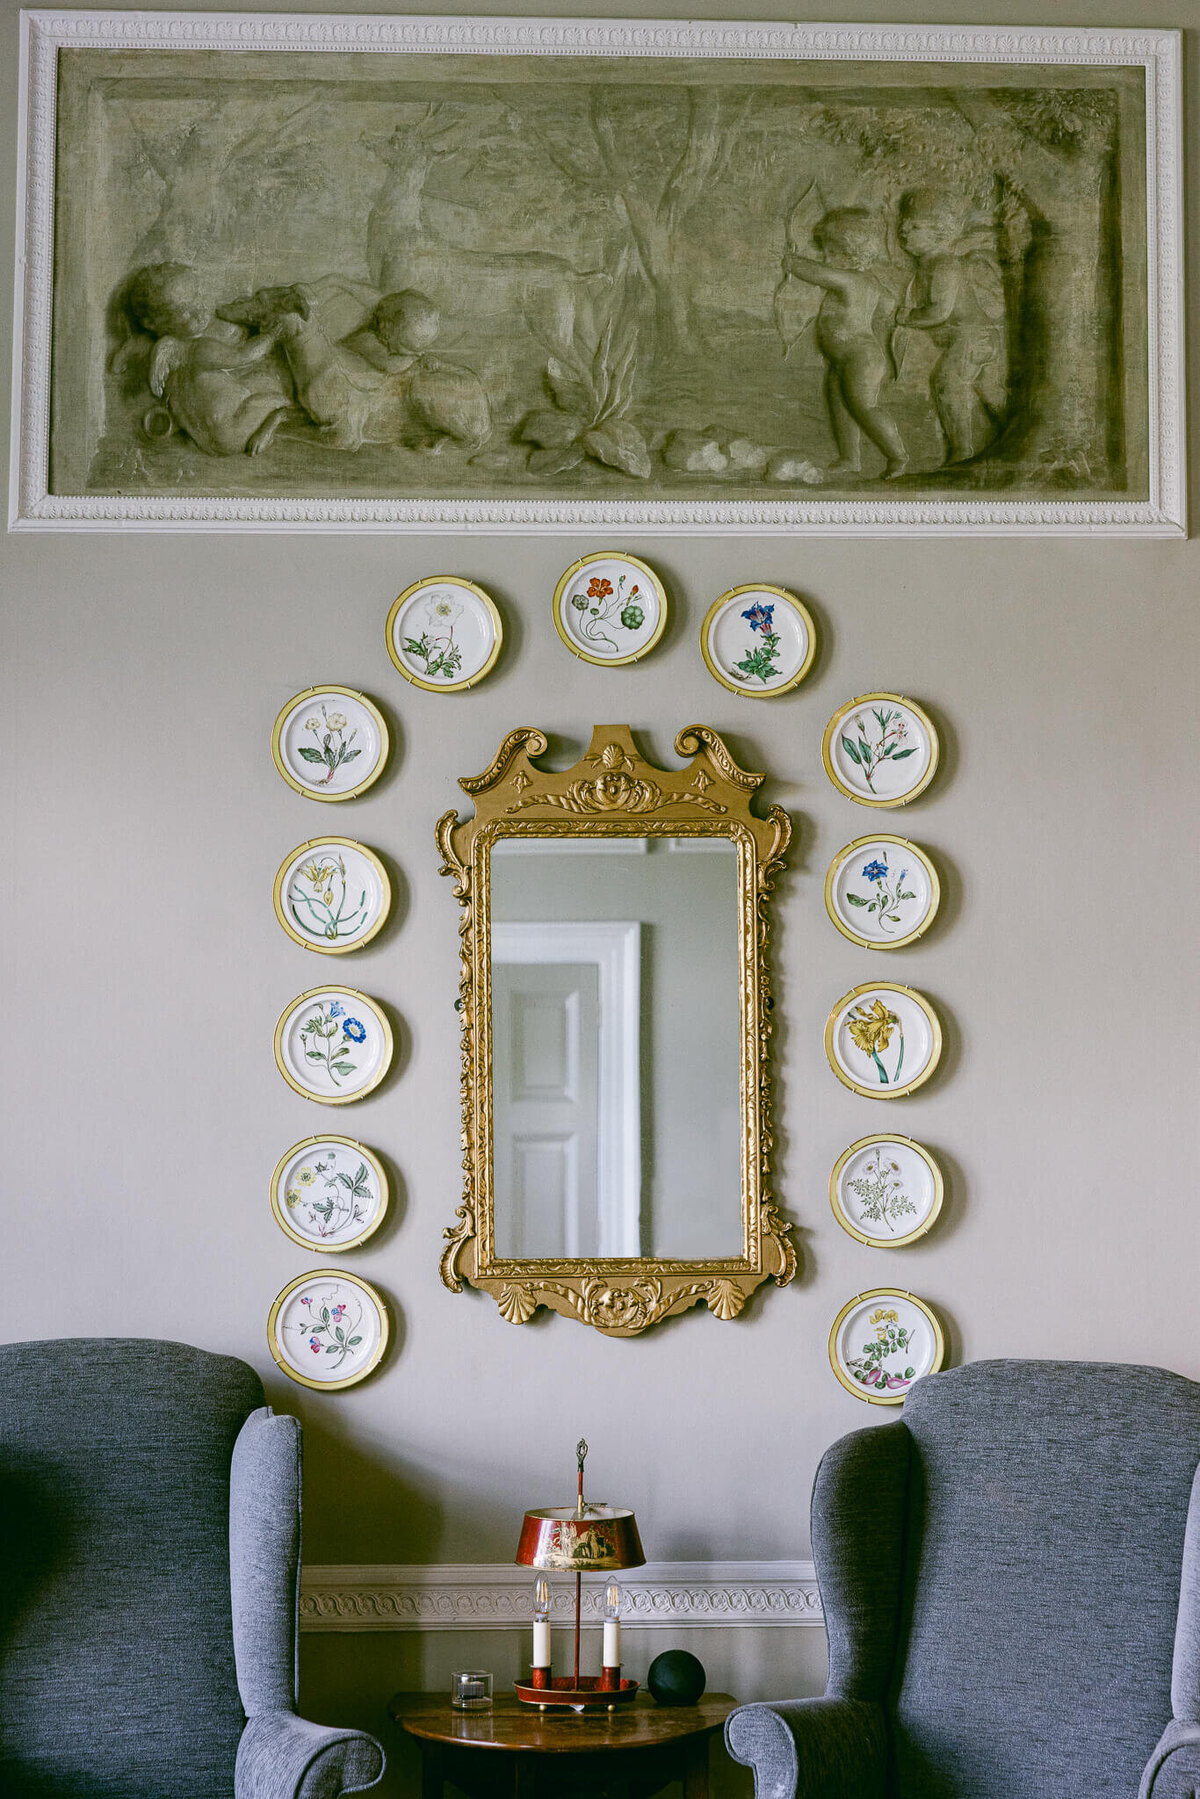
column 566, row 1112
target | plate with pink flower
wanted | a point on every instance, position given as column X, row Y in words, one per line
column 610, row 609
column 758, row 640
column 883, row 1341
column 328, row 1330
column 881, row 750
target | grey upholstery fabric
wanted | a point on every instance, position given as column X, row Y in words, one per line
column 835, row 1747
column 1037, row 1557
column 264, row 1560
column 117, row 1672
column 1173, row 1771
column 283, row 1757
column 149, row 1513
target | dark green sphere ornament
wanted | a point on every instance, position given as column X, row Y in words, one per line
column 676, row 1677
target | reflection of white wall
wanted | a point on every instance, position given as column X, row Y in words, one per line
column 567, row 1117
column 690, row 1020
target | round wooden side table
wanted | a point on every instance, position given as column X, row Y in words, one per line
column 518, row 1752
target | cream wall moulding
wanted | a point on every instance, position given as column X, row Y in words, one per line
column 276, row 271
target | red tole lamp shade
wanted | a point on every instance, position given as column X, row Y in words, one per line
column 562, row 1540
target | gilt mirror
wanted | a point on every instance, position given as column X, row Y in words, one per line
column 615, row 1006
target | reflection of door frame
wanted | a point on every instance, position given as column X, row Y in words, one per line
column 615, row 948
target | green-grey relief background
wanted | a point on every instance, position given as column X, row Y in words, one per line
column 390, row 276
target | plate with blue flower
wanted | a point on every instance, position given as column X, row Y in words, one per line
column 610, row 609
column 882, row 892
column 758, row 640
column 328, row 1330
column 333, row 1044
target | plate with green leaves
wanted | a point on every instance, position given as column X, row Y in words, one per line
column 330, row 743
column 329, row 1193
column 881, row 750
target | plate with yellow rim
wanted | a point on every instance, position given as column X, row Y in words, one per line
column 882, row 892
column 330, row 743
column 883, row 1341
column 329, row 1193
column 333, row 1044
column 758, row 640
column 886, row 1190
column 332, row 895
column 328, row 1330
column 610, row 609
column 883, row 1041
column 444, row 634
column 881, row 750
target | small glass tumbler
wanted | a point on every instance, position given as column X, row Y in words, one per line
column 471, row 1690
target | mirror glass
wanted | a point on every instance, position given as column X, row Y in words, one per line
column 616, row 1046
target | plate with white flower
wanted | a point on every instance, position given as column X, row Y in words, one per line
column 329, row 1193
column 444, row 634
column 881, row 750
column 333, row 1044
column 883, row 1341
column 886, row 1190
column 882, row 892
column 758, row 640
column 883, row 1041
column 330, row 743
column 610, row 609
column 332, row 895
column 328, row 1330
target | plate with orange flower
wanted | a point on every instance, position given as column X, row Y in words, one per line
column 610, row 609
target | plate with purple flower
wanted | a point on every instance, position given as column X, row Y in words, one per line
column 881, row 750
column 333, row 1044
column 883, row 1341
column 610, row 609
column 758, row 640
column 328, row 1330
column 882, row 892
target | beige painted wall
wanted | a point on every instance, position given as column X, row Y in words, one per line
column 143, row 972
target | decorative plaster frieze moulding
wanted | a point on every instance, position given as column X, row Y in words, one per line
column 497, row 1596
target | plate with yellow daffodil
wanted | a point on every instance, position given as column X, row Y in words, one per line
column 883, row 1341
column 329, row 1193
column 883, row 1041
column 610, row 609
column 444, row 633
column 330, row 743
column 332, row 895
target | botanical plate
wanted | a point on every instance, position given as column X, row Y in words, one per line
column 880, row 750
column 881, row 1342
column 332, row 895
column 328, row 1329
column 444, row 633
column 333, row 1044
column 883, row 1041
column 882, row 892
column 610, row 609
column 330, row 743
column 758, row 640
column 886, row 1190
column 329, row 1193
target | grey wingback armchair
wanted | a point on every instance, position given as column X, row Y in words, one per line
column 149, row 1572
column 1011, row 1582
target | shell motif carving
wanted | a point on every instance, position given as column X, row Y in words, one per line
column 725, row 1299
column 517, row 1303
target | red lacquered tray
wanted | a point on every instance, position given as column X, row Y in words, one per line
column 589, row 1695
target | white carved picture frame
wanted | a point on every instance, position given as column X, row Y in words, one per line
column 1154, row 506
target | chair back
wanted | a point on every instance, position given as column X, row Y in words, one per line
column 117, row 1676
column 1047, row 1504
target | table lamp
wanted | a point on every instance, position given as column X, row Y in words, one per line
column 586, row 1538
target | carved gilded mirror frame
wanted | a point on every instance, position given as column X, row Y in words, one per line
column 614, row 792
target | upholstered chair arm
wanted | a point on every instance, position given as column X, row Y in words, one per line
column 281, row 1756
column 1173, row 1771
column 811, row 1748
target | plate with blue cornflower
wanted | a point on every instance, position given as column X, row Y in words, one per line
column 882, row 892
column 758, row 640
column 333, row 1044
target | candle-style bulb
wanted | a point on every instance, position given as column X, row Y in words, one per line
column 541, row 1597
column 612, row 1600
